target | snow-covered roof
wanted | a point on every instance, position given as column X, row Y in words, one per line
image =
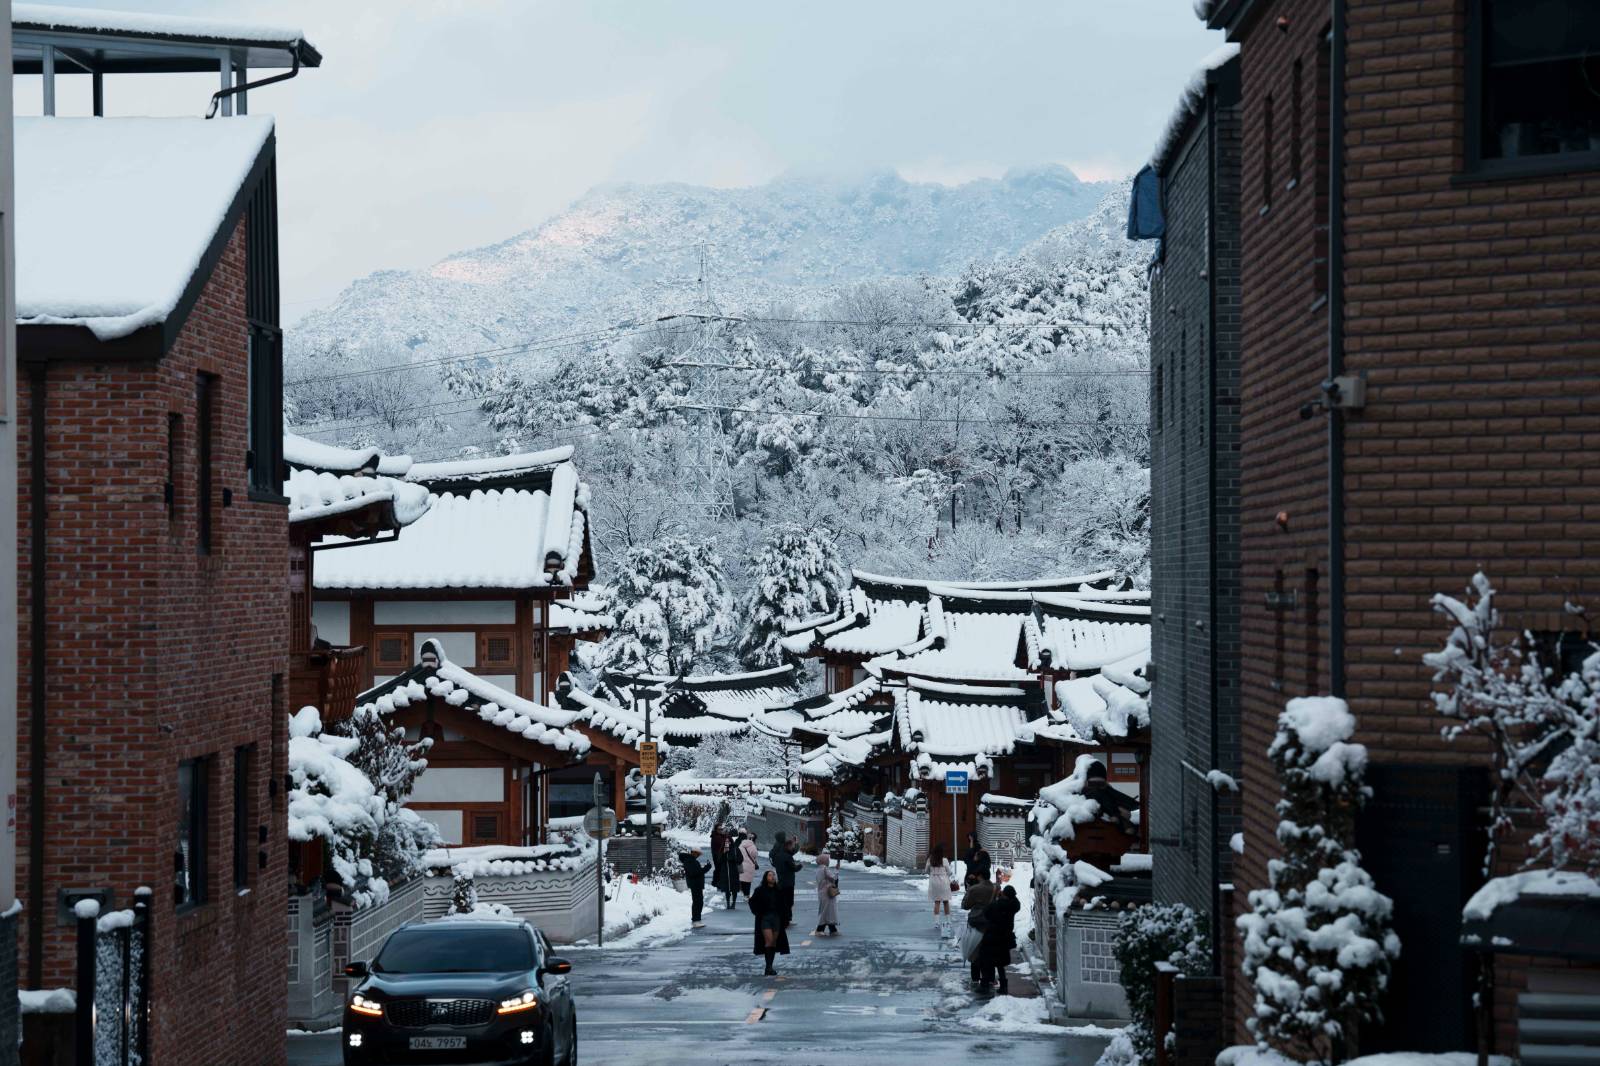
column 1112, row 704
column 458, row 687
column 325, row 482
column 492, row 467
column 487, row 860
column 1189, row 102
column 962, row 727
column 528, row 532
column 845, row 713
column 149, row 24
column 114, row 215
column 695, row 706
column 604, row 716
column 975, row 637
column 1082, row 635
column 579, row 614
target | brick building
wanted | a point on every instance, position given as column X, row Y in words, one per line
column 1194, row 477
column 153, row 628
column 1417, row 400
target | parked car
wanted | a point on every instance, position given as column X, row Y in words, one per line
column 461, row 990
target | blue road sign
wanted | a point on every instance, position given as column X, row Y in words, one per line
column 955, row 781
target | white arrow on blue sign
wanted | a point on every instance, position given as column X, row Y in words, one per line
column 955, row 781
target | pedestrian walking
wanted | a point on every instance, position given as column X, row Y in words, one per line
column 694, row 875
column 766, row 903
column 977, row 857
column 727, row 861
column 979, row 894
column 749, row 859
column 786, row 864
column 999, row 937
column 827, row 897
column 719, row 863
column 941, row 881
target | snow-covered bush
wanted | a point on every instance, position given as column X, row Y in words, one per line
column 1169, row 933
column 796, row 576
column 672, row 605
column 1542, row 723
column 393, row 765
column 1061, row 808
column 463, row 894
column 844, row 842
column 1317, row 941
column 333, row 801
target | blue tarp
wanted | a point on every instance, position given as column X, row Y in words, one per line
column 1144, row 208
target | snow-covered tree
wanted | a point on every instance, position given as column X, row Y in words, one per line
column 393, row 765
column 1169, row 933
column 1317, row 942
column 463, row 893
column 1541, row 721
column 797, row 575
column 331, row 800
column 751, row 754
column 672, row 605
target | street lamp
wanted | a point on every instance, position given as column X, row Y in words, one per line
column 645, row 696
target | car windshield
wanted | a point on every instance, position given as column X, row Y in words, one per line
column 447, row 949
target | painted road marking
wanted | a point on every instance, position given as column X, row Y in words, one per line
column 768, row 994
column 805, row 943
column 756, row 1015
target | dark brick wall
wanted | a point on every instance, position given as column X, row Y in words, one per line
column 1195, row 486
column 157, row 653
column 1472, row 307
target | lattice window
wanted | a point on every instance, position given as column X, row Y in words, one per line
column 498, row 650
column 485, row 828
column 391, row 650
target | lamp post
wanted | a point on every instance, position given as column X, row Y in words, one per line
column 646, row 696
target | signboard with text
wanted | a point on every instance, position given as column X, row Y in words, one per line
column 955, row 782
column 648, row 752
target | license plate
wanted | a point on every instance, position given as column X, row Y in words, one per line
column 438, row 1043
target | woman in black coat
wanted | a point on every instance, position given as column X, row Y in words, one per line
column 999, row 937
column 766, row 903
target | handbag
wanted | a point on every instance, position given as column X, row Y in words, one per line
column 971, row 939
column 833, row 891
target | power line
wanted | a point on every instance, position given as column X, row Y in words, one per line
column 889, row 418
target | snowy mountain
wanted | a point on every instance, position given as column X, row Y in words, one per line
column 632, row 252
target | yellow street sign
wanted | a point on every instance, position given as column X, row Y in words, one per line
column 648, row 753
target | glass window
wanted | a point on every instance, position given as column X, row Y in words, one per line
column 243, row 791
column 1538, row 75
column 453, row 949
column 189, row 859
column 204, row 396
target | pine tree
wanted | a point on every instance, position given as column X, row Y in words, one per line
column 463, row 894
column 796, row 576
column 393, row 765
column 672, row 605
column 1317, row 943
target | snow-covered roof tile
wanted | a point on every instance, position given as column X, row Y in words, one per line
column 495, row 538
column 493, row 467
column 150, row 24
column 953, row 727
column 1101, row 708
column 578, row 616
column 315, row 495
column 700, row 705
column 114, row 215
column 1086, row 635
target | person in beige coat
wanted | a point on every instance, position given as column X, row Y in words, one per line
column 749, row 860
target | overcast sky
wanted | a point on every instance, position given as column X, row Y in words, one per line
column 437, row 126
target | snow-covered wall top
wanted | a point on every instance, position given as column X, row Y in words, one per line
column 114, row 214
column 149, row 24
column 1189, row 103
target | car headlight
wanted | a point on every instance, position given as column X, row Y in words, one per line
column 526, row 1001
column 362, row 1005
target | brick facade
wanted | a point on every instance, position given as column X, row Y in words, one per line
column 158, row 653
column 1194, row 329
column 1470, row 305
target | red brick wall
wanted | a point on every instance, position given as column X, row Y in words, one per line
column 1473, row 309
column 158, row 654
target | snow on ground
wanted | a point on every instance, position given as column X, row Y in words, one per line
column 1009, row 1014
column 1248, row 1055
column 644, row 912
column 47, row 1000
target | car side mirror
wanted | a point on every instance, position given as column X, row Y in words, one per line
column 557, row 966
column 356, row 969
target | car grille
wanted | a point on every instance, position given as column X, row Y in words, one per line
column 417, row 1013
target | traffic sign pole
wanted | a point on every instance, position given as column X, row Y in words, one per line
column 955, row 783
column 600, row 863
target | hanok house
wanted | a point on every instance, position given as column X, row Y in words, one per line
column 1417, row 196
column 485, row 576
column 153, row 530
column 683, row 711
column 982, row 683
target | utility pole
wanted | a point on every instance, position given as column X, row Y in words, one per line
column 9, row 1038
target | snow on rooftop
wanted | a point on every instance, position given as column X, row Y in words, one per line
column 492, row 467
column 1085, row 643
column 499, row 538
column 149, row 24
column 890, row 625
column 315, row 495
column 1057, row 583
column 1542, row 884
column 1191, row 100
column 315, row 455
column 113, row 215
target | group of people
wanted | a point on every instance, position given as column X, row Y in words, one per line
column 991, row 912
column 735, row 861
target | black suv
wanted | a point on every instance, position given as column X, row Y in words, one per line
column 461, row 991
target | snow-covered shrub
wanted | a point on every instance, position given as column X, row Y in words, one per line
column 393, row 765
column 796, row 576
column 1317, row 941
column 671, row 603
column 331, row 800
column 844, row 842
column 1169, row 933
column 1541, row 722
column 463, row 894
column 1061, row 808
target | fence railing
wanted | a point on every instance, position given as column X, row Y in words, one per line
column 113, row 1009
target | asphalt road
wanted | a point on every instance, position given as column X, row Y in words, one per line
column 886, row 991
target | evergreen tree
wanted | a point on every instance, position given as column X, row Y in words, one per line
column 463, row 894
column 1317, row 943
column 796, row 576
column 392, row 764
column 671, row 603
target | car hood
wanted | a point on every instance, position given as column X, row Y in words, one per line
column 458, row 985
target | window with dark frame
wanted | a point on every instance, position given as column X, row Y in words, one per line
column 1321, row 149
column 1161, row 414
column 243, row 811
column 204, row 399
column 189, row 858
column 264, row 387
column 174, row 437
column 1296, row 106
column 1533, row 84
column 1266, row 152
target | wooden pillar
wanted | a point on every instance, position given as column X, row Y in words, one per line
column 619, row 787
